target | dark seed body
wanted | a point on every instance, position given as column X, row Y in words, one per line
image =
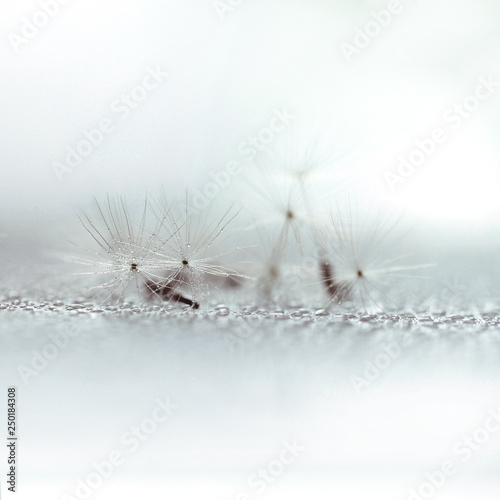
column 166, row 291
column 333, row 288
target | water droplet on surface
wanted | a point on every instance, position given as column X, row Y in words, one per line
column 321, row 312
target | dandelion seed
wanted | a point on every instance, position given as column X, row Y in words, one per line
column 189, row 257
column 267, row 267
column 358, row 262
column 312, row 154
column 124, row 249
column 277, row 204
column 316, row 154
column 125, row 252
column 290, row 181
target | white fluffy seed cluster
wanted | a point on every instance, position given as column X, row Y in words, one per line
column 286, row 239
column 159, row 254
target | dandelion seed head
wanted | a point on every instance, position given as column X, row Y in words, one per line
column 362, row 266
column 123, row 256
column 194, row 255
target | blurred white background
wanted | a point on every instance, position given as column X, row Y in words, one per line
column 223, row 72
